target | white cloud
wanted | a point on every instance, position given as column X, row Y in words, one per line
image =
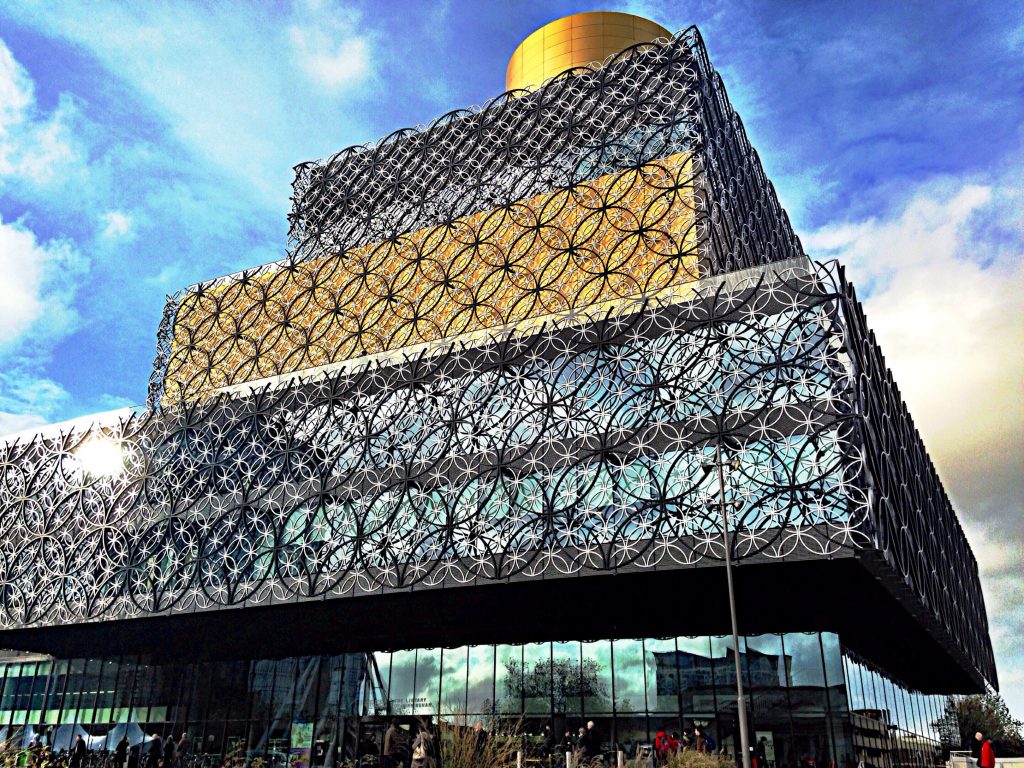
column 229, row 84
column 945, row 293
column 38, row 285
column 116, row 225
column 32, row 146
column 16, row 422
column 28, row 400
column 16, row 90
column 943, row 287
column 329, row 61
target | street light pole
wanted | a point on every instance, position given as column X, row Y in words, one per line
column 740, row 698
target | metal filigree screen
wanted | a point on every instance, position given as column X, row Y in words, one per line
column 601, row 187
column 503, row 346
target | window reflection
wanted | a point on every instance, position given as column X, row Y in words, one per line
column 454, row 676
column 508, row 679
column 537, row 679
column 628, row 656
column 427, row 687
column 568, row 679
column 809, row 700
column 480, row 687
column 597, row 678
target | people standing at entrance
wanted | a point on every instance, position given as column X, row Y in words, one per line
column 183, row 748
column 79, row 753
column 986, row 755
column 480, row 743
column 155, row 753
column 761, row 752
column 393, row 745
column 170, row 753
column 699, row 742
column 423, row 748
column 121, row 753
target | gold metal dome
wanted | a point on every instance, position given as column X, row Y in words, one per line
column 575, row 41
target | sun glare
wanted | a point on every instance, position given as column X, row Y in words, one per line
column 101, row 457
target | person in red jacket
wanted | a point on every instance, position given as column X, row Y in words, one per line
column 661, row 747
column 987, row 756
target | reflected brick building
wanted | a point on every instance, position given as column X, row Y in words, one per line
column 472, row 413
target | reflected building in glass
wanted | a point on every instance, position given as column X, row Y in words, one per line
column 454, row 458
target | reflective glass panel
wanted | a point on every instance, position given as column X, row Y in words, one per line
column 537, row 680
column 597, row 677
column 630, row 686
column 454, row 672
column 480, row 691
column 567, row 678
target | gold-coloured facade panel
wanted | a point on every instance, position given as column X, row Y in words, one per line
column 621, row 235
column 576, row 41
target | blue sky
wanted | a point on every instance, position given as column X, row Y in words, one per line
column 147, row 146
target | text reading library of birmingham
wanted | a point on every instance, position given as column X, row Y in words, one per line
column 463, row 455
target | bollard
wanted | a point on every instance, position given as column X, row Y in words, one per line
column 620, row 759
column 568, row 760
column 519, row 758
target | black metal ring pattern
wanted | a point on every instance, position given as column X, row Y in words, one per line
column 649, row 104
column 581, row 448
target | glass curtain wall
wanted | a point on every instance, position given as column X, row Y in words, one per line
column 811, row 704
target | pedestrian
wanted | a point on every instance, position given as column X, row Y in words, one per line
column 661, row 748
column 183, row 749
column 568, row 742
column 79, row 753
column 479, row 744
column 581, row 745
column 121, row 752
column 699, row 742
column 393, row 745
column 423, row 748
column 548, row 744
column 170, row 753
column 761, row 752
column 155, row 753
column 986, row 755
column 593, row 741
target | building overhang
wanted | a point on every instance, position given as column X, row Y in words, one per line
column 853, row 593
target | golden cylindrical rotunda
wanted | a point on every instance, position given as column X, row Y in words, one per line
column 578, row 40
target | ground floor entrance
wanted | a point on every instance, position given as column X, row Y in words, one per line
column 810, row 702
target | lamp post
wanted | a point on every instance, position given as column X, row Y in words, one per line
column 740, row 698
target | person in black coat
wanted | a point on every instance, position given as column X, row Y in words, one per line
column 761, row 752
column 568, row 743
column 480, row 743
column 156, row 751
column 549, row 743
column 79, row 752
column 121, row 752
column 591, row 741
column 170, row 752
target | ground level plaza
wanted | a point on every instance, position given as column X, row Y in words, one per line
column 813, row 703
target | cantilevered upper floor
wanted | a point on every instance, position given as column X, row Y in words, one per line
column 521, row 354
